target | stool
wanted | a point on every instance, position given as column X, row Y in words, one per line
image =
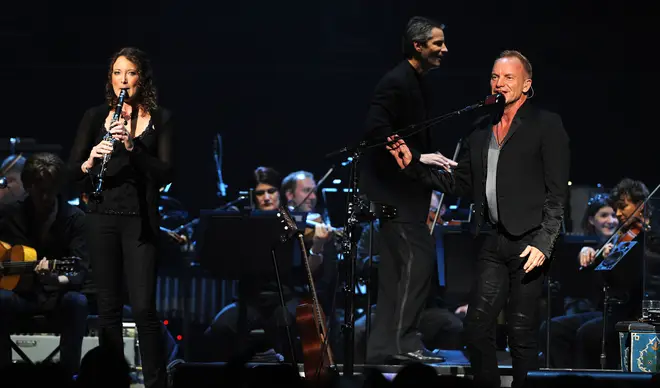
column 640, row 346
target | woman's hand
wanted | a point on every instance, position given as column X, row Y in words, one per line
column 119, row 132
column 103, row 148
column 586, row 256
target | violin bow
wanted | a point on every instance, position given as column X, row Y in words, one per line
column 217, row 156
column 11, row 164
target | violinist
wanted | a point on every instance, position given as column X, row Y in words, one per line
column 300, row 190
column 625, row 280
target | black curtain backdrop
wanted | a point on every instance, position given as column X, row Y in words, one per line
column 284, row 83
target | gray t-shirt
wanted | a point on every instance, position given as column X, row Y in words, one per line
column 491, row 178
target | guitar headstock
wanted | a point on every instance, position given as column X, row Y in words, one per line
column 289, row 227
column 68, row 266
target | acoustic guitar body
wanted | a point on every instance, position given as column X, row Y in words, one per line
column 317, row 360
column 14, row 254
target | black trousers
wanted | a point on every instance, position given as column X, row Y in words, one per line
column 407, row 260
column 118, row 255
column 501, row 279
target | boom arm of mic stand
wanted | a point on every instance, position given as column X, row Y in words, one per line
column 402, row 133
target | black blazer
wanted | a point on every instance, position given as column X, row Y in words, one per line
column 156, row 165
column 532, row 175
column 398, row 102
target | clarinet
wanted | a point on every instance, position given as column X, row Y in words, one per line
column 96, row 195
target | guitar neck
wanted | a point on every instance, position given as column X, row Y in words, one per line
column 312, row 287
column 18, row 267
column 23, row 267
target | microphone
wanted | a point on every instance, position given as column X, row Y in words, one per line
column 3, row 182
column 493, row 99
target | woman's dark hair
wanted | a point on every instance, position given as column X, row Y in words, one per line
column 267, row 176
column 635, row 191
column 595, row 203
column 43, row 166
column 146, row 91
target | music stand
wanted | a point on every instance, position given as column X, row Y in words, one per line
column 608, row 263
column 235, row 246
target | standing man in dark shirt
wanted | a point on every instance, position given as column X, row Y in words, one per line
column 515, row 167
column 407, row 252
column 45, row 222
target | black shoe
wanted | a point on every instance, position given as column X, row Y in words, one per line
column 422, row 355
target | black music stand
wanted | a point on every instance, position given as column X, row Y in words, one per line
column 235, row 246
column 608, row 263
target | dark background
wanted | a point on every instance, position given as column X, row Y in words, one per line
column 284, row 83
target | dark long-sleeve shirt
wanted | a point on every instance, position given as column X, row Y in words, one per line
column 65, row 238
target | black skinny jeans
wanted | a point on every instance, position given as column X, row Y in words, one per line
column 118, row 254
column 501, row 278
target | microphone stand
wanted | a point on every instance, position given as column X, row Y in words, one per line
column 359, row 210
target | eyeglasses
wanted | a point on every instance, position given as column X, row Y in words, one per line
column 270, row 191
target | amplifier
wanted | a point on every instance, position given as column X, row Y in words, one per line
column 39, row 346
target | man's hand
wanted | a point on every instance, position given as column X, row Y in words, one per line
column 399, row 150
column 42, row 266
column 322, row 234
column 439, row 160
column 535, row 259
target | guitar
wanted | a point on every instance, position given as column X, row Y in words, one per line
column 310, row 318
column 22, row 260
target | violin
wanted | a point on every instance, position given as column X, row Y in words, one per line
column 628, row 230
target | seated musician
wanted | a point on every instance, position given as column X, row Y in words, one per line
column 11, row 169
column 45, row 222
column 624, row 282
column 299, row 188
column 260, row 296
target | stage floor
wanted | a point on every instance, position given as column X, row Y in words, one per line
column 456, row 364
